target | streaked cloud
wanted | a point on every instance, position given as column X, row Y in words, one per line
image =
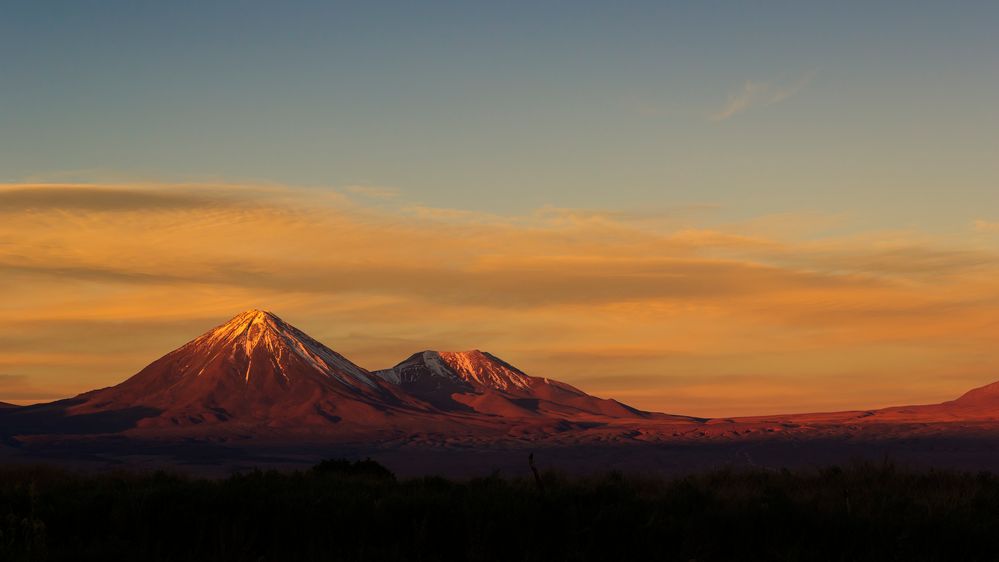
column 17, row 199
column 988, row 227
column 18, row 388
column 754, row 93
column 99, row 280
column 372, row 191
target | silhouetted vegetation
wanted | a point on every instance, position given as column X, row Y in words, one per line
column 354, row 469
column 343, row 510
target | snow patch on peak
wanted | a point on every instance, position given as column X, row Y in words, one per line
column 433, row 360
column 241, row 324
column 466, row 368
column 484, row 369
column 260, row 329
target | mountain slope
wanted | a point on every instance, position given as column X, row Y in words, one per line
column 476, row 381
column 974, row 406
column 254, row 369
column 984, row 397
column 980, row 403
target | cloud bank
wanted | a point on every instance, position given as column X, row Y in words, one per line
column 99, row 280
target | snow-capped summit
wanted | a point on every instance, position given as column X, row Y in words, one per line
column 255, row 367
column 463, row 369
column 258, row 329
column 484, row 369
column 481, row 382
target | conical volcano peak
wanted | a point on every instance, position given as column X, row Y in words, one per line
column 256, row 314
column 244, row 320
column 252, row 314
column 252, row 325
column 467, row 369
column 262, row 334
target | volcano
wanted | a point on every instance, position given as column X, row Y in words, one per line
column 479, row 382
column 254, row 369
column 257, row 387
column 257, row 371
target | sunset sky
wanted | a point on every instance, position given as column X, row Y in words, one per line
column 703, row 208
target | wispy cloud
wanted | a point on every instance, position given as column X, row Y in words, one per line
column 19, row 199
column 372, row 191
column 18, row 389
column 985, row 226
column 754, row 93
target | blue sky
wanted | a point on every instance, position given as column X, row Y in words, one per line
column 882, row 111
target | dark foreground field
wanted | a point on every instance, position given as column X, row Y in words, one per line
column 360, row 511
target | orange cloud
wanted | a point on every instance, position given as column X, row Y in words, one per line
column 99, row 280
column 986, row 226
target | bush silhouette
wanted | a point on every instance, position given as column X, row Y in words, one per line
column 365, row 468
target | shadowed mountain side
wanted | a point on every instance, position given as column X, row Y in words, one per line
column 55, row 418
column 6, row 405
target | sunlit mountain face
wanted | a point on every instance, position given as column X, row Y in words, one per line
column 258, row 372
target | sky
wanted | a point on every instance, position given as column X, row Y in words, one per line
column 708, row 208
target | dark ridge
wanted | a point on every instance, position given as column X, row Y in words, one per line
column 53, row 418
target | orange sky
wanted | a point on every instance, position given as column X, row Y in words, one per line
column 666, row 310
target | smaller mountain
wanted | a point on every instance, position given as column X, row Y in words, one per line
column 983, row 396
column 974, row 406
column 477, row 381
column 977, row 404
column 7, row 405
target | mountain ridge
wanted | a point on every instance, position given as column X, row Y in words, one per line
column 258, row 371
column 257, row 374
